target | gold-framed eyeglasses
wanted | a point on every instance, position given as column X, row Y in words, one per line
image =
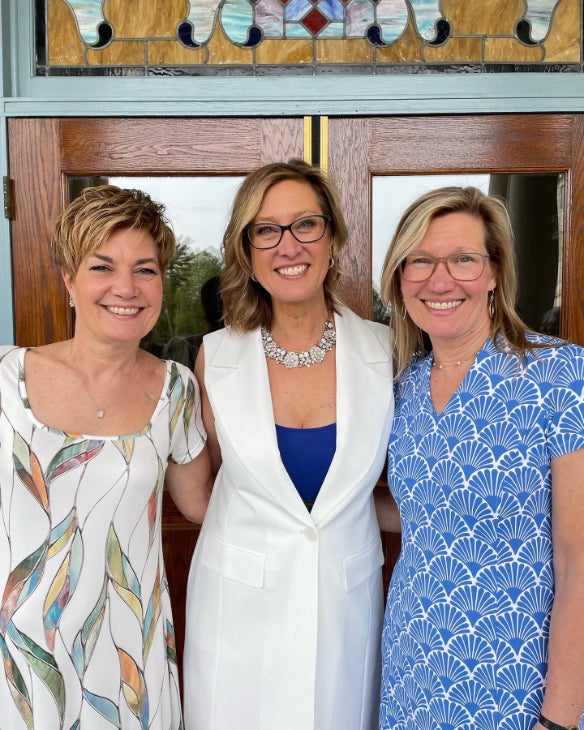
column 308, row 229
column 461, row 266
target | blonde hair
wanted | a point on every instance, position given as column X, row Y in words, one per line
column 506, row 324
column 246, row 304
column 89, row 221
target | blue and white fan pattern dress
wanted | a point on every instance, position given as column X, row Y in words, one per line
column 467, row 619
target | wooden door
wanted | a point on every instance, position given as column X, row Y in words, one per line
column 45, row 153
column 522, row 144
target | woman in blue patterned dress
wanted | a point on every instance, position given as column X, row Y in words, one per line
column 89, row 429
column 483, row 627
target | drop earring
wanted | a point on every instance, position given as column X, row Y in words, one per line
column 71, row 302
column 492, row 304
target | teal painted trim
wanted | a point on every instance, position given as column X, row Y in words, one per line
column 4, row 49
column 6, row 307
column 332, row 95
column 300, row 96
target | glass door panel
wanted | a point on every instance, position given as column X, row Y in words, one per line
column 198, row 210
column 536, row 205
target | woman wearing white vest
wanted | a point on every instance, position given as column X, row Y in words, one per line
column 284, row 603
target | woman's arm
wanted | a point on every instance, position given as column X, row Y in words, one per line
column 208, row 418
column 387, row 511
column 564, row 697
column 190, row 485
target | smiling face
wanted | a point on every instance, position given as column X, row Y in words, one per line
column 117, row 289
column 292, row 272
column 451, row 312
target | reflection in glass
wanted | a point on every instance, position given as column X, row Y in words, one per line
column 535, row 204
column 198, row 209
column 391, row 196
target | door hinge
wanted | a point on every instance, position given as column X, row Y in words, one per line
column 8, row 198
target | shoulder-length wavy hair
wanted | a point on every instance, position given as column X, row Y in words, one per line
column 246, row 304
column 506, row 325
column 99, row 212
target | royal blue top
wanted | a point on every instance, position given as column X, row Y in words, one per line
column 307, row 454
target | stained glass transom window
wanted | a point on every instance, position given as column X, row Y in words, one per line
column 155, row 37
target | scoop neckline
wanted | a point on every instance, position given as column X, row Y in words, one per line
column 23, row 393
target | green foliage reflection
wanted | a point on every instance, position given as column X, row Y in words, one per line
column 182, row 312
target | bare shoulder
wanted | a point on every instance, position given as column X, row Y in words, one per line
column 48, row 358
column 149, row 363
column 200, row 364
column 151, row 373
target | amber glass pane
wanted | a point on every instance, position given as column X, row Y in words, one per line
column 147, row 37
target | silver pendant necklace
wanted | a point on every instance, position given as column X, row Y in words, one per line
column 305, row 358
column 101, row 410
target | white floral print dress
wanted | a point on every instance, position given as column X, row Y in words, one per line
column 86, row 633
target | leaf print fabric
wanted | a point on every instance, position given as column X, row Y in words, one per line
column 86, row 635
column 467, row 617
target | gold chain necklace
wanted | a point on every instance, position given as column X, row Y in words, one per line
column 443, row 365
column 100, row 412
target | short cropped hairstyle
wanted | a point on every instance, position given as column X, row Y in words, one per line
column 411, row 229
column 99, row 212
column 246, row 304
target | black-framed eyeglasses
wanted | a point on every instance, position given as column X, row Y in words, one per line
column 461, row 266
column 308, row 229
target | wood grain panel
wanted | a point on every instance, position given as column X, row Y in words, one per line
column 573, row 268
column 489, row 142
column 118, row 53
column 490, row 17
column 562, row 44
column 288, row 51
column 41, row 313
column 281, row 139
column 349, row 170
column 65, row 46
column 173, row 53
column 160, row 146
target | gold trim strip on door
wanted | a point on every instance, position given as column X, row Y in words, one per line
column 316, row 139
column 308, row 140
column 324, row 140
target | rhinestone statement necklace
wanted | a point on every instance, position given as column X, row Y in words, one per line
column 306, row 358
